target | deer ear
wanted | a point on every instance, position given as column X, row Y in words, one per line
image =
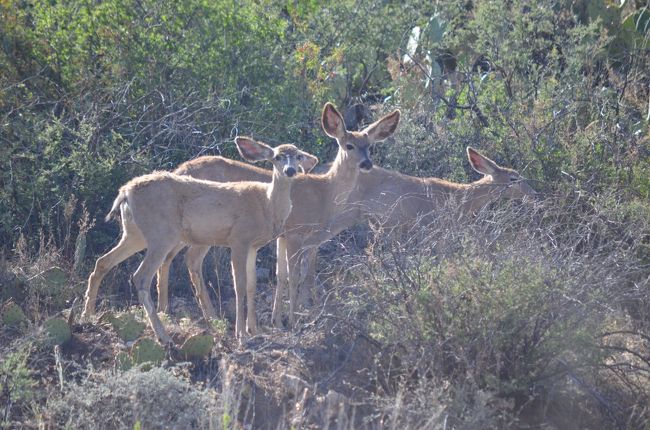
column 309, row 161
column 383, row 128
column 332, row 122
column 481, row 163
column 252, row 150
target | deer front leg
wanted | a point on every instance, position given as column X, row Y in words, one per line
column 238, row 260
column 282, row 274
column 307, row 286
column 306, row 277
column 194, row 262
column 294, row 257
column 251, row 287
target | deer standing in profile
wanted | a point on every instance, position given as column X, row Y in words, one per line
column 161, row 210
column 392, row 199
column 318, row 199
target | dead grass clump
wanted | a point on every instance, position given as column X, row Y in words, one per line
column 154, row 399
column 507, row 318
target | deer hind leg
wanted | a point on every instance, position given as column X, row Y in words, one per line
column 282, row 273
column 142, row 281
column 294, row 259
column 194, row 261
column 307, row 279
column 299, row 255
column 162, row 277
column 251, row 290
column 239, row 258
column 131, row 242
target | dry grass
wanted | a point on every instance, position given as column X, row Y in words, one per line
column 528, row 315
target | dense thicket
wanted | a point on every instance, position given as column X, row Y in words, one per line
column 93, row 93
column 524, row 315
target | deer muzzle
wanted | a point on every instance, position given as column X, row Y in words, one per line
column 289, row 171
column 365, row 165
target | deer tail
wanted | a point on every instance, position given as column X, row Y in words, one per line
column 115, row 209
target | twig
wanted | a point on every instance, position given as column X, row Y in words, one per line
column 59, row 365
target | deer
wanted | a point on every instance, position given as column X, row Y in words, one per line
column 217, row 169
column 162, row 209
column 393, row 199
column 318, row 198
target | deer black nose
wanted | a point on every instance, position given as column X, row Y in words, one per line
column 366, row 165
column 289, row 171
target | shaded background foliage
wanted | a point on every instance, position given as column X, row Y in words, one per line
column 94, row 93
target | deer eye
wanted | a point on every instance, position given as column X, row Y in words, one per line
column 278, row 157
column 349, row 147
column 299, row 157
column 513, row 179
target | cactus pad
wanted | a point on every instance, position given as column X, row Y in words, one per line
column 123, row 361
column 197, row 346
column 55, row 277
column 57, row 331
column 146, row 350
column 13, row 315
column 128, row 328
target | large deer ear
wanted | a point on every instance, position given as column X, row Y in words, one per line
column 252, row 150
column 481, row 163
column 384, row 127
column 332, row 122
column 308, row 162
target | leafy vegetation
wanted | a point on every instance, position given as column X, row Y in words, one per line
column 519, row 317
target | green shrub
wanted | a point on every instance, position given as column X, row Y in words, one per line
column 18, row 386
column 514, row 303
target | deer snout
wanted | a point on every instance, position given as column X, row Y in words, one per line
column 365, row 165
column 289, row 171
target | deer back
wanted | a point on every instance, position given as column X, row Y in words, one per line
column 197, row 211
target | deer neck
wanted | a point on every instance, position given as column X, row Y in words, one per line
column 479, row 194
column 343, row 176
column 279, row 200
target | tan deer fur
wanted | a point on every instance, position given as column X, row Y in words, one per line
column 217, row 169
column 319, row 198
column 393, row 198
column 161, row 209
column 322, row 199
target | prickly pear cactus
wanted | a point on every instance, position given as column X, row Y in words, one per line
column 436, row 28
column 55, row 277
column 79, row 252
column 13, row 315
column 146, row 350
column 128, row 328
column 197, row 346
column 57, row 331
column 54, row 285
column 635, row 29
